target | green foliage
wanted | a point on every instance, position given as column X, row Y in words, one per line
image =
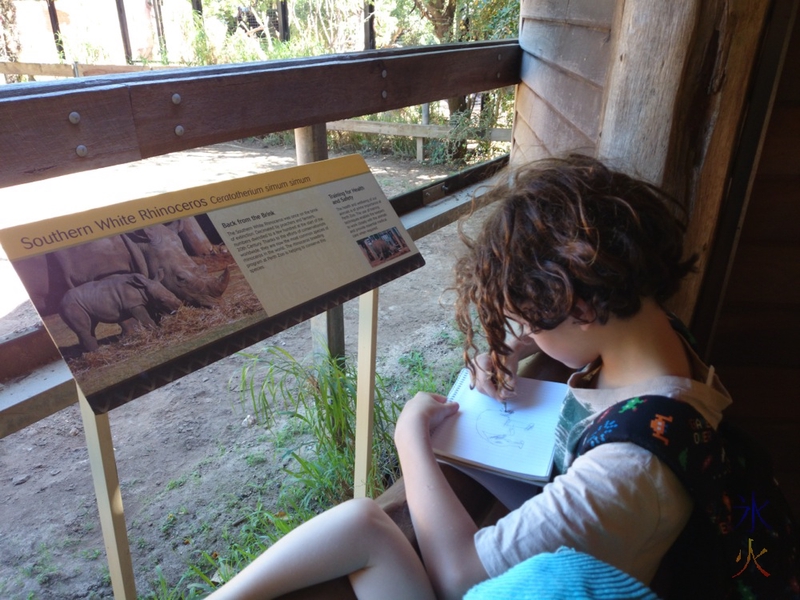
column 468, row 142
column 489, row 19
column 43, row 569
column 426, row 375
column 311, row 409
column 319, row 398
column 255, row 459
column 423, row 378
column 92, row 554
column 9, row 39
column 163, row 590
column 470, row 20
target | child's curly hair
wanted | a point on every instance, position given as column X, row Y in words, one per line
column 563, row 230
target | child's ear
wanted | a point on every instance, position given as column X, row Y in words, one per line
column 583, row 314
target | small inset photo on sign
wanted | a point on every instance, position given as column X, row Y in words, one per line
column 383, row 246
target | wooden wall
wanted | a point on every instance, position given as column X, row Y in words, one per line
column 657, row 89
column 566, row 48
column 756, row 348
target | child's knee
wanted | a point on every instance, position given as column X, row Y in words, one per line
column 365, row 515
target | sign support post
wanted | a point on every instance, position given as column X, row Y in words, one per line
column 365, row 389
column 109, row 499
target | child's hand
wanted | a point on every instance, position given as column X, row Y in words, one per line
column 484, row 376
column 522, row 345
column 422, row 414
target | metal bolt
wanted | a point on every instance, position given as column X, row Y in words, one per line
column 498, row 75
column 384, row 94
column 82, row 151
column 74, row 117
column 176, row 98
column 384, row 73
column 499, row 57
column 179, row 130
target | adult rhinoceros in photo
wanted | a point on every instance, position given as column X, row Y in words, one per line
column 163, row 249
column 115, row 299
column 48, row 277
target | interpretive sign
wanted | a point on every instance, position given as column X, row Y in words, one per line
column 138, row 293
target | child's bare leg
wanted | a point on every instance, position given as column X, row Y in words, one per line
column 355, row 538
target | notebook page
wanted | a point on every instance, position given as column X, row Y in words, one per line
column 518, row 441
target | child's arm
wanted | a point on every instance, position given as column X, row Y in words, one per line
column 443, row 528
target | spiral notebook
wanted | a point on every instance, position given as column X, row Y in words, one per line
column 515, row 439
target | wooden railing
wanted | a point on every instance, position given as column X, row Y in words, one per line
column 55, row 128
column 127, row 117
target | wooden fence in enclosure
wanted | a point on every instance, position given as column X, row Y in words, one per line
column 72, row 70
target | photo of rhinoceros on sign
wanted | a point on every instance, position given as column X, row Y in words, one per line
column 159, row 248
column 115, row 299
column 137, row 293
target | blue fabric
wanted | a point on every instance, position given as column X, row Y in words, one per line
column 563, row 575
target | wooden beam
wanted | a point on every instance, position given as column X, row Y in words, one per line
column 369, row 26
column 708, row 127
column 166, row 111
column 283, row 21
column 414, row 130
column 24, row 350
column 63, row 70
column 35, row 69
column 42, row 391
column 103, row 126
column 590, row 13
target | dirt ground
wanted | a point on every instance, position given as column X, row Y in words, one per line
column 188, row 455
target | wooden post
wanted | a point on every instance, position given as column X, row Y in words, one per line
column 327, row 329
column 51, row 9
column 365, row 394
column 643, row 81
column 683, row 81
column 162, row 39
column 123, row 28
column 109, row 500
column 426, row 118
column 369, row 26
column 283, row 21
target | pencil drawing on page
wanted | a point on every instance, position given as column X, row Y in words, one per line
column 501, row 428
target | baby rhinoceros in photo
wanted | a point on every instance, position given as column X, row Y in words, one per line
column 115, row 299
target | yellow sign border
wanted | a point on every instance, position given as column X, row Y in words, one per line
column 49, row 235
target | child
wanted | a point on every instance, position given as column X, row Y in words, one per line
column 575, row 263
